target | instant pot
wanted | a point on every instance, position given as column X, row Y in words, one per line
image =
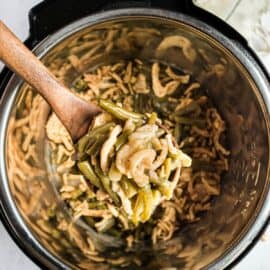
column 225, row 66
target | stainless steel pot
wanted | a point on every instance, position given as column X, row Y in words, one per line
column 239, row 87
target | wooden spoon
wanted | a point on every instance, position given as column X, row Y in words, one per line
column 75, row 113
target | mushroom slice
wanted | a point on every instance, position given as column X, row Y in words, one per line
column 121, row 157
column 180, row 42
column 101, row 119
column 57, row 133
column 123, row 154
column 171, row 87
column 128, row 73
column 129, row 126
column 107, row 147
column 140, row 85
column 145, row 133
column 159, row 89
column 182, row 78
column 161, row 158
column 139, row 162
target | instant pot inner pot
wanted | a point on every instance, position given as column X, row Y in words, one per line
column 235, row 94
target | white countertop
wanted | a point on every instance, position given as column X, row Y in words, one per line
column 257, row 30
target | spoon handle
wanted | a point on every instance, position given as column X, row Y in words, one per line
column 65, row 104
column 15, row 54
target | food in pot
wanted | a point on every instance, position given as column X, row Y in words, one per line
column 133, row 169
column 172, row 178
column 132, row 159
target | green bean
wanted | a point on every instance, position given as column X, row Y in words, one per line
column 97, row 205
column 91, row 141
column 104, row 129
column 165, row 190
column 114, row 173
column 143, row 99
column 138, row 208
column 167, row 166
column 76, row 194
column 88, row 172
column 191, row 107
column 95, row 147
column 101, row 129
column 89, row 220
column 157, row 181
column 129, row 188
column 161, row 109
column 136, row 103
column 90, row 194
column 119, row 112
column 152, row 119
column 114, row 232
column 106, row 184
column 84, row 142
column 140, row 102
column 156, row 196
column 121, row 140
column 190, row 121
column 177, row 132
column 91, row 136
column 148, row 203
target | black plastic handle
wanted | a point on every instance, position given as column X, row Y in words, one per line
column 51, row 15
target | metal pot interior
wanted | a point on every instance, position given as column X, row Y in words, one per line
column 219, row 235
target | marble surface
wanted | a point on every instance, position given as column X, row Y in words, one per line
column 251, row 18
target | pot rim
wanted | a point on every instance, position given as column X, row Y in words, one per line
column 15, row 222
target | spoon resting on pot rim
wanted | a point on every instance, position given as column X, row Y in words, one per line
column 75, row 113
